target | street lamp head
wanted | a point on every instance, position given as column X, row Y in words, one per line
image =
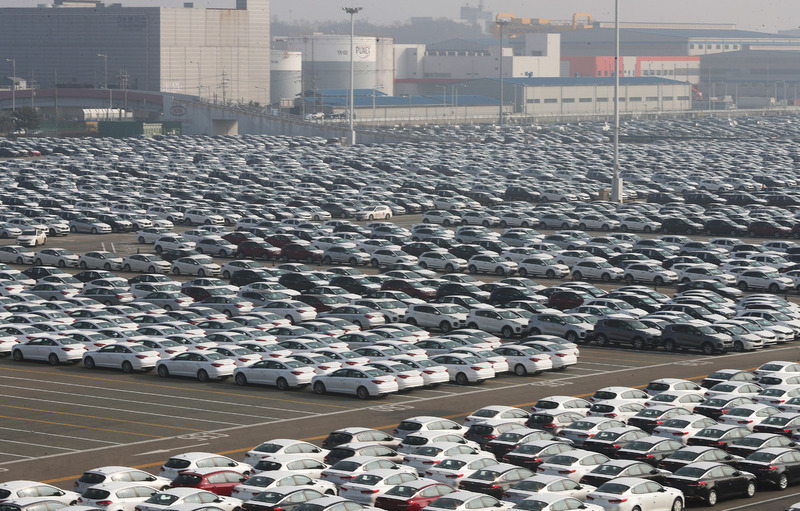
column 352, row 10
column 101, row 54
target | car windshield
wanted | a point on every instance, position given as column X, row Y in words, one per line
column 162, row 499
column 260, row 481
column 764, row 457
column 269, row 497
column 613, row 488
column 445, row 503
column 562, row 460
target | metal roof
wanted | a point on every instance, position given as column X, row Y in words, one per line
column 400, row 101
column 589, row 80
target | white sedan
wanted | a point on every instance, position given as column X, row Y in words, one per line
column 649, row 272
column 54, row 349
column 487, row 263
column 60, row 257
column 178, row 496
column 16, row 254
column 638, row 224
column 525, row 359
column 407, row 377
column 364, row 382
column 147, row 263
column 126, row 356
column 366, row 488
column 629, row 493
column 201, row 265
column 293, row 310
column 432, row 373
column 203, row 365
column 464, row 369
column 100, row 260
column 542, row 266
column 283, row 373
column 387, row 256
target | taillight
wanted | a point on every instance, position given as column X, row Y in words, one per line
column 66, row 349
column 141, row 356
column 217, row 364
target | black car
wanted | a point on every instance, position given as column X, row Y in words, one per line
column 694, row 453
column 677, row 225
column 300, row 281
column 248, row 276
column 504, row 294
column 488, row 430
column 461, row 289
column 495, row 479
column 720, row 435
column 746, row 446
column 532, row 454
column 465, row 251
column 355, row 284
column 173, row 254
column 37, row 272
column 512, row 439
column 650, row 449
column 774, row 466
column 710, row 481
column 714, row 407
column 786, row 424
column 611, row 440
column 652, row 416
column 724, row 227
column 417, row 248
column 624, row 468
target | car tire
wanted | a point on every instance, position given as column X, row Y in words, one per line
column 163, row 371
column 448, row 268
column 582, row 226
column 290, row 318
column 127, row 367
column 202, row 375
column 629, row 279
column 94, row 230
column 226, row 274
column 669, row 345
column 520, row 370
column 473, row 326
column 605, row 277
column 88, row 363
column 773, row 288
column 127, row 268
column 638, row 343
column 534, row 331
column 576, row 275
column 507, row 332
column 62, row 263
column 281, row 384
column 738, row 346
column 572, row 337
column 711, row 498
column 750, row 490
column 411, row 321
column 689, row 231
column 18, row 356
column 473, row 269
column 376, row 264
column 240, row 379
column 201, row 273
column 53, row 359
column 601, row 339
column 362, row 393
column 358, row 324
column 140, row 240
column 753, row 234
column 742, row 285
column 327, row 260
column 677, row 505
column 176, row 271
column 83, row 265
column 658, row 281
column 462, row 379
column 353, row 261
column 319, row 387
column 73, row 229
column 444, row 326
column 523, row 272
column 500, row 271
column 38, row 261
column 550, row 274
column 167, row 307
column 19, row 260
column 783, row 482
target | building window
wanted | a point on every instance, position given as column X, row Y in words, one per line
column 651, row 98
column 682, row 98
column 550, row 100
column 584, row 100
column 719, row 46
column 670, row 72
column 667, row 98
column 635, row 98
column 735, row 46
column 599, row 73
column 700, row 46
column 691, row 46
column 727, row 46
column 567, row 100
column 602, row 100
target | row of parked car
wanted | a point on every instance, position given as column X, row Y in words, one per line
column 675, row 443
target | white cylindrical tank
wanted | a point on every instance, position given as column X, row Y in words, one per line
column 326, row 60
column 286, row 69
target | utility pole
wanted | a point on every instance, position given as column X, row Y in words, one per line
column 224, row 85
column 123, row 82
column 352, row 11
column 616, row 181
column 13, row 84
column 105, row 65
column 501, row 23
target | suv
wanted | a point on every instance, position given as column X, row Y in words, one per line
column 443, row 316
column 680, row 226
column 620, row 330
column 688, row 336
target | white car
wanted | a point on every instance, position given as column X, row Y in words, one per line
column 146, row 263
column 364, row 382
column 17, row 489
column 387, row 256
column 464, row 368
column 201, row 217
column 486, row 263
column 542, row 266
column 16, row 254
column 684, row 427
column 31, row 237
column 345, row 255
column 407, row 377
column 631, row 493
column 268, row 481
column 100, row 260
column 638, row 223
column 60, row 257
column 767, row 279
column 366, row 488
column 52, row 348
column 649, row 272
column 705, row 272
column 573, row 464
column 596, row 270
column 507, row 322
column 117, row 495
column 115, row 473
column 446, row 317
column 481, row 218
column 190, row 461
column 293, row 310
column 467, row 501
column 595, row 222
column 282, row 373
column 173, row 242
column 453, row 469
column 443, row 261
column 200, row 265
column 126, row 356
column 561, row 324
column 374, row 213
column 179, row 496
column 432, row 373
column 203, row 365
column 523, row 360
column 215, row 246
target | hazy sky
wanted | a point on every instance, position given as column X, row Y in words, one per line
column 761, row 15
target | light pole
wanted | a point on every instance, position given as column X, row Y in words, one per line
column 616, row 181
column 13, row 84
column 501, row 23
column 105, row 65
column 352, row 11
column 266, row 99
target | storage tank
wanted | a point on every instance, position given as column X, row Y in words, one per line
column 286, row 69
column 326, row 60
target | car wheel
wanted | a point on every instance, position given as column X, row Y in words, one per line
column 226, row 274
column 534, row 331
column 738, row 346
column 73, row 229
column 94, row 230
column 507, row 332
column 107, row 267
column 783, row 482
column 601, row 339
column 358, row 324
column 473, row 326
column 201, row 273
column 571, row 337
column 290, row 318
column 473, row 269
column 88, row 363
column 38, row 261
column 582, row 226
column 689, row 231
column 446, row 222
column 376, row 264
column 647, row 228
column 658, row 281
column 62, row 263
column 773, row 288
column 167, row 307
column 550, row 274
column 127, row 367
column 444, row 326
column 462, row 379
column 629, row 279
column 523, row 272
column 711, row 498
column 777, row 234
column 83, row 265
column 605, row 228
column 163, row 371
column 240, row 379
column 411, row 321
column 310, row 259
column 159, row 249
column 752, row 234
column 448, row 268
column 605, row 277
column 18, row 356
column 503, row 224
column 19, row 260
column 576, row 275
column 127, row 268
column 202, row 375
column 362, row 393
column 677, row 505
column 520, row 370
column 352, row 261
column 500, row 271
column 426, row 220
column 370, row 217
column 327, row 260
column 141, row 240
column 542, row 225
column 742, row 285
column 281, row 383
column 638, row 343
column 176, row 271
column 319, row 387
column 669, row 345
column 53, row 359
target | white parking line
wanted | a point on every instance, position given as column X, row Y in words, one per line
column 762, row 502
column 18, row 456
column 4, row 441
column 60, row 436
column 259, row 406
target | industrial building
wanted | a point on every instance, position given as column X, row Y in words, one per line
column 675, row 68
column 220, row 54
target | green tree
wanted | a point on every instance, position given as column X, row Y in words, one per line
column 26, row 119
column 6, row 124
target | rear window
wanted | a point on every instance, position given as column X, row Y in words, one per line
column 547, row 405
column 177, row 462
column 480, row 429
column 267, row 466
column 409, row 426
column 162, row 499
column 346, row 466
column 341, row 453
column 415, row 440
column 96, row 494
column 659, row 387
column 188, row 480
column 402, row 491
column 87, row 477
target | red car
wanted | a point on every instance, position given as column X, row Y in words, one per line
column 216, row 480
column 239, row 237
column 567, row 299
column 300, row 252
column 411, row 288
column 763, row 228
column 281, row 240
column 412, row 495
column 257, row 250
